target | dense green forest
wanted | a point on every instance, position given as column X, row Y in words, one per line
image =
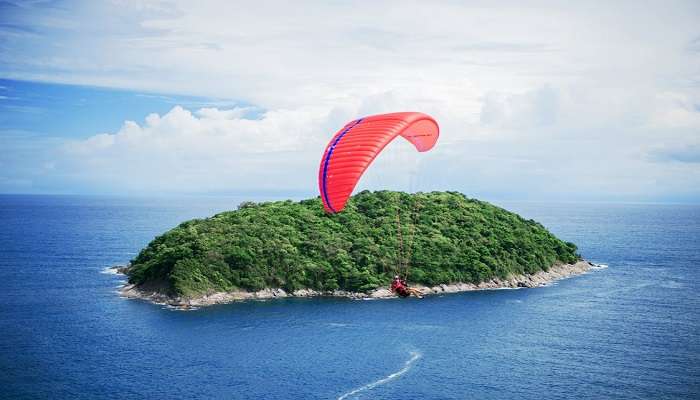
column 446, row 238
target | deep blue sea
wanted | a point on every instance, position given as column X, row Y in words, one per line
column 629, row 331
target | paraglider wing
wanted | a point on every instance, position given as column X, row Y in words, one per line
column 354, row 147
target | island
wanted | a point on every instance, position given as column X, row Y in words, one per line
column 440, row 241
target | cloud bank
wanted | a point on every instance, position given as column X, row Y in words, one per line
column 538, row 100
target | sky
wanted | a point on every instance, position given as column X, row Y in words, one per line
column 536, row 100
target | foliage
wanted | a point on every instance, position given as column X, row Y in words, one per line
column 292, row 245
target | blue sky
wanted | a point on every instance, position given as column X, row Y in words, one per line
column 536, row 100
column 75, row 111
column 38, row 118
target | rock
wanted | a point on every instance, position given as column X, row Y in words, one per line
column 381, row 293
column 122, row 269
column 537, row 279
column 304, row 293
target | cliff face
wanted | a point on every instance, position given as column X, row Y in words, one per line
column 442, row 238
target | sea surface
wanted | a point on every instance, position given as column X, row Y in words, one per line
column 628, row 331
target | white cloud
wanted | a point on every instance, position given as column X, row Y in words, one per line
column 533, row 108
column 279, row 54
column 546, row 96
column 209, row 150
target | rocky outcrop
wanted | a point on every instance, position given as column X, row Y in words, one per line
column 541, row 278
column 123, row 269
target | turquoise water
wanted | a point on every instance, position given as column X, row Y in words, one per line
column 628, row 331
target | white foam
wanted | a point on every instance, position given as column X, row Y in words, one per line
column 672, row 285
column 111, row 271
column 406, row 367
column 179, row 308
column 414, row 327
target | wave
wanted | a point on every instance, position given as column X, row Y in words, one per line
column 672, row 285
column 419, row 327
column 111, row 271
column 406, row 367
column 179, row 308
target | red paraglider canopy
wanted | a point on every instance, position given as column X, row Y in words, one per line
column 354, row 147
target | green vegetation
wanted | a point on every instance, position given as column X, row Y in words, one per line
column 292, row 245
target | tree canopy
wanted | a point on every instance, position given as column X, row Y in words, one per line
column 447, row 238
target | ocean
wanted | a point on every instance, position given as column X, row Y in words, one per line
column 627, row 330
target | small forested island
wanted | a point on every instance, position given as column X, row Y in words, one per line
column 442, row 241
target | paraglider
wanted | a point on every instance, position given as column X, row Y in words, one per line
column 401, row 288
column 351, row 151
column 357, row 144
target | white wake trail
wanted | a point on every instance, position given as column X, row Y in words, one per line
column 406, row 367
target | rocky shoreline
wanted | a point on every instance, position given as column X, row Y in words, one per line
column 541, row 278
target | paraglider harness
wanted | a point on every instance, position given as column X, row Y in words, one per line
column 398, row 286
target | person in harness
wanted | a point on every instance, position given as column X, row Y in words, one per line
column 400, row 287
